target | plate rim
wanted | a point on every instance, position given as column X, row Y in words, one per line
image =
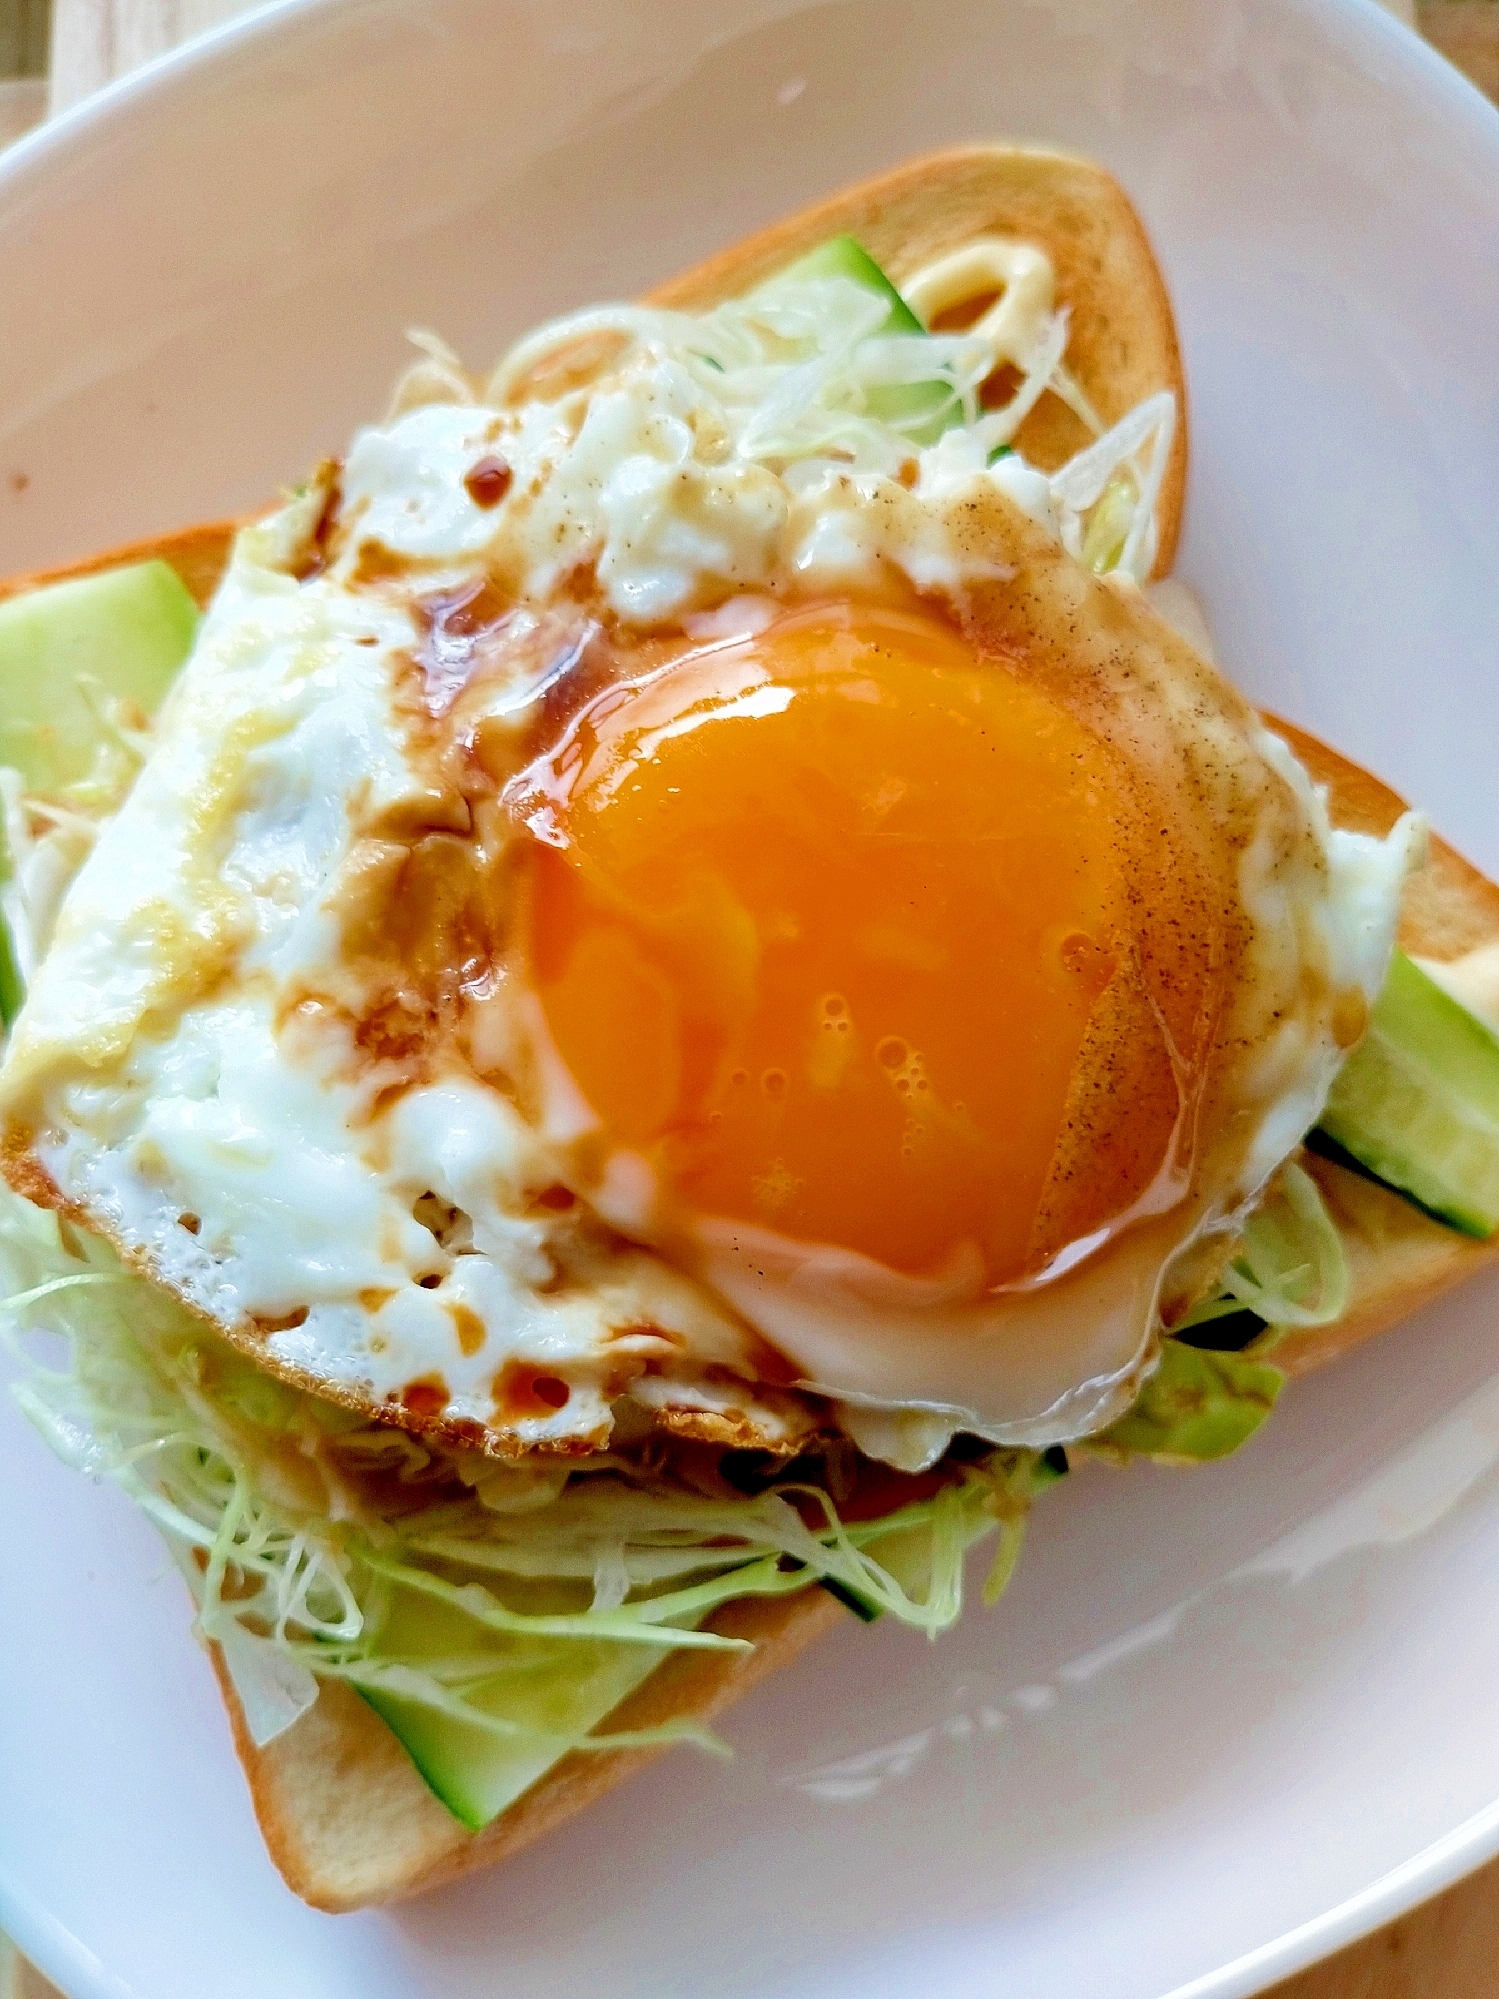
column 44, row 1939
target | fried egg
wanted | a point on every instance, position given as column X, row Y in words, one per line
column 614, row 931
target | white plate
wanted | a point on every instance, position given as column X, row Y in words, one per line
column 1225, row 1721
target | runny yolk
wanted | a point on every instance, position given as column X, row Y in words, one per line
column 818, row 920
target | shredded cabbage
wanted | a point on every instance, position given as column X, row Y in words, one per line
column 798, row 376
column 1291, row 1270
column 303, row 1528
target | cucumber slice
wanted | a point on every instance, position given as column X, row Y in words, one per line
column 1416, row 1105
column 923, row 409
column 12, row 987
column 563, row 1686
column 846, row 257
column 1226, row 1332
column 862, row 1607
column 127, row 629
column 1049, row 1467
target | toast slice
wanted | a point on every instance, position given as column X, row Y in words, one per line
column 198, row 554
column 344, row 1813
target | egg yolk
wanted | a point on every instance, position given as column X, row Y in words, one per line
column 818, row 920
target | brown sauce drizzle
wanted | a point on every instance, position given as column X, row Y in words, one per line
column 375, row 563
column 314, row 557
column 469, row 1326
column 425, row 1399
column 556, row 1199
column 425, row 899
column 284, row 1322
column 600, row 659
column 489, row 481
column 522, row 1390
column 461, row 627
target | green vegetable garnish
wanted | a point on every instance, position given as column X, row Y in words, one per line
column 862, row 1608
column 846, row 257
column 69, row 649
column 12, row 988
column 494, row 1615
column 12, row 985
column 922, row 409
column 82, row 663
column 1197, row 1405
column 1290, row 1269
column 1416, row 1105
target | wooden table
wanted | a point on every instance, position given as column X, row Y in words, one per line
column 1449, row 1948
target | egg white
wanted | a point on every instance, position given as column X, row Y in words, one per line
column 245, row 1154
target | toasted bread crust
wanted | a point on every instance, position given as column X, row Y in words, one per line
column 344, row 1813
column 198, row 554
column 1399, row 1259
column 1449, row 907
column 349, row 1822
column 1122, row 343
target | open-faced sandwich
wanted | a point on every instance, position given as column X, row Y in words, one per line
column 680, row 990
